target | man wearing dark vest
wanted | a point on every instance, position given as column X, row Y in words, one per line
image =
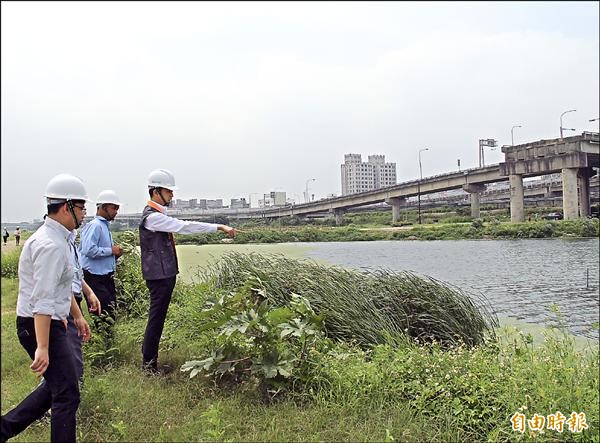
column 159, row 257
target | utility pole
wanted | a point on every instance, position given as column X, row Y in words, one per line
column 419, row 183
column 490, row 143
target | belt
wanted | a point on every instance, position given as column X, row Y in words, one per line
column 110, row 274
column 30, row 321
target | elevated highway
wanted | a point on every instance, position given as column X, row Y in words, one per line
column 574, row 157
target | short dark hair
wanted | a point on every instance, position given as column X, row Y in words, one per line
column 151, row 190
column 53, row 208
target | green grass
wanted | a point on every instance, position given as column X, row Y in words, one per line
column 193, row 257
column 410, row 393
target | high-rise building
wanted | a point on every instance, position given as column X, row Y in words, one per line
column 239, row 203
column 276, row 198
column 359, row 176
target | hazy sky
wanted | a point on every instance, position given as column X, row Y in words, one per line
column 251, row 97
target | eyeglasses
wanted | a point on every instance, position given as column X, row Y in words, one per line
column 80, row 207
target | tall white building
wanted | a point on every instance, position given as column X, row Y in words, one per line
column 359, row 176
column 274, row 198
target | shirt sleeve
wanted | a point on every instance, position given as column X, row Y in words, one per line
column 48, row 266
column 160, row 222
column 90, row 238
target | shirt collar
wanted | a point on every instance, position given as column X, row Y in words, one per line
column 58, row 227
column 99, row 217
column 157, row 206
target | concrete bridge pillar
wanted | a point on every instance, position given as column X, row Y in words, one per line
column 517, row 198
column 396, row 203
column 474, row 190
column 338, row 214
column 583, row 179
column 570, row 200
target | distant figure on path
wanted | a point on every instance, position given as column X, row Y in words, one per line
column 17, row 235
column 5, row 235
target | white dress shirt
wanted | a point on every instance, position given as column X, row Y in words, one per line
column 161, row 222
column 46, row 273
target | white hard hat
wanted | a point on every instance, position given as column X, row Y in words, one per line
column 108, row 196
column 65, row 187
column 162, row 178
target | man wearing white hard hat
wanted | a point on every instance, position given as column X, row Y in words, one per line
column 99, row 253
column 44, row 302
column 159, row 257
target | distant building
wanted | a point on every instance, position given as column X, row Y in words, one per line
column 239, row 203
column 276, row 198
column 210, row 204
column 359, row 176
column 265, row 202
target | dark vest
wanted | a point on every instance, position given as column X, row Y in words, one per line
column 159, row 259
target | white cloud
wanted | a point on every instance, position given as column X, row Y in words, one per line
column 238, row 98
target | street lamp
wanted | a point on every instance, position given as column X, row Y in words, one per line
column 512, row 137
column 561, row 124
column 306, row 190
column 419, row 183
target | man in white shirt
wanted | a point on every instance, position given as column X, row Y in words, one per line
column 159, row 257
column 43, row 304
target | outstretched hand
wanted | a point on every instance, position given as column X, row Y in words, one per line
column 228, row 230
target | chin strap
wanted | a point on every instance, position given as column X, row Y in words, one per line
column 159, row 189
column 72, row 211
column 162, row 198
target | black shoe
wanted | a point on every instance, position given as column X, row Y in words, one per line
column 150, row 368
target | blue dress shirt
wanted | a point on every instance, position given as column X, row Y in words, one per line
column 96, row 247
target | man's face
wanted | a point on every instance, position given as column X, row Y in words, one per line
column 110, row 211
column 167, row 196
column 79, row 210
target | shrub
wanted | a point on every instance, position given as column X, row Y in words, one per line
column 10, row 263
column 132, row 294
column 256, row 339
column 366, row 307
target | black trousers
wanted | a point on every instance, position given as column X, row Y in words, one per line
column 104, row 288
column 60, row 392
column 160, row 297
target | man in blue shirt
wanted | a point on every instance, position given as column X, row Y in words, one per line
column 99, row 254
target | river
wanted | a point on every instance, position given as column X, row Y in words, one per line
column 521, row 279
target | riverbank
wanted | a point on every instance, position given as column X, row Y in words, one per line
column 408, row 393
column 477, row 229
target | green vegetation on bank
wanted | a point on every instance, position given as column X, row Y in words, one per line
column 341, row 389
column 477, row 229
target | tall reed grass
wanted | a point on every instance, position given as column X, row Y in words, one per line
column 368, row 308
